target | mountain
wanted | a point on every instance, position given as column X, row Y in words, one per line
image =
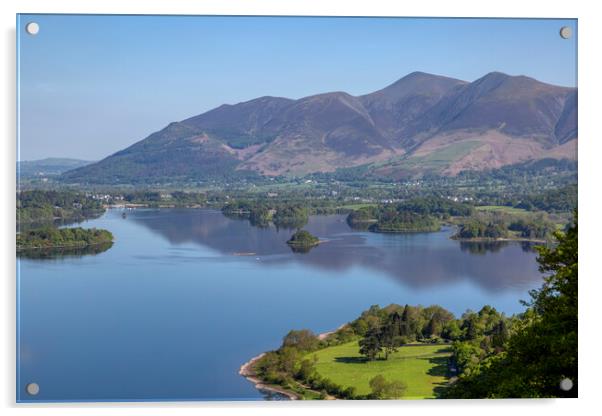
column 420, row 124
column 48, row 167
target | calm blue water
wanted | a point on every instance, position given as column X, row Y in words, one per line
column 170, row 312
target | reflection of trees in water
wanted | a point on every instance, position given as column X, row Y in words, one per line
column 63, row 252
column 529, row 247
column 482, row 247
column 287, row 223
column 59, row 222
column 240, row 216
column 360, row 226
column 290, row 223
column 301, row 249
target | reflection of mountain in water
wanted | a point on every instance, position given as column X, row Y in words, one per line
column 63, row 252
column 418, row 259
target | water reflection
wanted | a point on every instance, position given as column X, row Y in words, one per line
column 419, row 259
column 301, row 249
column 58, row 222
column 484, row 247
column 63, row 252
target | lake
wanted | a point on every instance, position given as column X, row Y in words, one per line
column 179, row 303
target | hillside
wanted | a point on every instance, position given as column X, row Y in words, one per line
column 48, row 167
column 420, row 124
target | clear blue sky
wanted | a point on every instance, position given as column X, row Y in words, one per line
column 92, row 85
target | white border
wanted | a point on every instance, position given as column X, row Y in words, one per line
column 590, row 153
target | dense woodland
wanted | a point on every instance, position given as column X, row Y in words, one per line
column 496, row 225
column 261, row 214
column 413, row 215
column 51, row 237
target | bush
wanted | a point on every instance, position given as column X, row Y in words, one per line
column 383, row 389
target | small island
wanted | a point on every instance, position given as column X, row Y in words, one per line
column 478, row 229
column 60, row 238
column 303, row 239
column 409, row 216
column 392, row 221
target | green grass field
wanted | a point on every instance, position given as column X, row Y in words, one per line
column 423, row 368
column 356, row 206
column 506, row 210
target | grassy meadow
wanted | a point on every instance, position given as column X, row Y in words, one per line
column 422, row 367
column 503, row 209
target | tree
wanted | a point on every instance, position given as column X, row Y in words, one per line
column 370, row 345
column 404, row 325
column 378, row 386
column 289, row 356
column 390, row 334
column 470, row 327
column 303, row 340
column 499, row 335
column 452, row 330
column 383, row 389
column 307, row 369
column 433, row 328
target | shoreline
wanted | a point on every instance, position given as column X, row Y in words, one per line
column 323, row 335
column 63, row 246
column 495, row 240
column 247, row 371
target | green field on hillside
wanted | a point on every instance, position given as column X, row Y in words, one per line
column 503, row 209
column 423, row 368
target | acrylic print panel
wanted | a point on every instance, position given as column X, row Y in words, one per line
column 275, row 208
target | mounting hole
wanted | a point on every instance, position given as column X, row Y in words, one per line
column 32, row 28
column 566, row 32
column 566, row 384
column 32, row 389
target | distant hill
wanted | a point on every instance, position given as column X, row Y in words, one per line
column 420, row 124
column 48, row 167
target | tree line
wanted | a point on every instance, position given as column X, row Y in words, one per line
column 496, row 225
column 51, row 237
column 412, row 215
column 46, row 206
column 262, row 213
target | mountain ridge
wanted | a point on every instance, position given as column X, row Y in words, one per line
column 419, row 124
